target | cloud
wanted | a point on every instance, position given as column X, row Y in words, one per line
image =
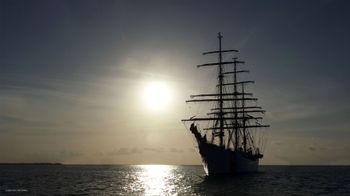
column 147, row 150
column 120, row 151
column 51, row 157
column 311, row 148
column 300, row 150
column 176, row 150
column 154, row 150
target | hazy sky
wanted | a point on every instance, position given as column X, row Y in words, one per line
column 73, row 74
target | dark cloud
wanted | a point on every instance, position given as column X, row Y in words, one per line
column 311, row 148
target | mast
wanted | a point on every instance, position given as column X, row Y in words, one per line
column 242, row 99
column 221, row 78
column 244, row 124
column 235, row 102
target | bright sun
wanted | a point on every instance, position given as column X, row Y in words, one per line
column 156, row 95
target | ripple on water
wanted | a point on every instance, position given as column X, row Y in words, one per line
column 172, row 180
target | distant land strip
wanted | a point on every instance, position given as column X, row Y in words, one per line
column 31, row 164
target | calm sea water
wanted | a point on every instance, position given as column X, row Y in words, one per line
column 170, row 180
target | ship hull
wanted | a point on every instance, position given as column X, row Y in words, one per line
column 220, row 161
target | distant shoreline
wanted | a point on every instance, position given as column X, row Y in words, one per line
column 31, row 163
column 70, row 164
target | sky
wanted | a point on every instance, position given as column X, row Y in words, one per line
column 74, row 77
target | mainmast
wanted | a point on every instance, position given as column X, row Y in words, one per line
column 235, row 103
column 221, row 78
column 236, row 94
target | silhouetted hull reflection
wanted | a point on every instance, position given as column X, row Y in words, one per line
column 220, row 161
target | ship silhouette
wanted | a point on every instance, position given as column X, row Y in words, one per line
column 229, row 145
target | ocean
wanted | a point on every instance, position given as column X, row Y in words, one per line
column 170, row 180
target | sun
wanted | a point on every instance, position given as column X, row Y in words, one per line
column 156, row 95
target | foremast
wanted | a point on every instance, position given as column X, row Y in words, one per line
column 230, row 119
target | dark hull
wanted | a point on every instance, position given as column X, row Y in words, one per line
column 220, row 161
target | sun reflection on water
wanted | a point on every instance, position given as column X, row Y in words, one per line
column 157, row 179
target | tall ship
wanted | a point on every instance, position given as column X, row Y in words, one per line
column 228, row 135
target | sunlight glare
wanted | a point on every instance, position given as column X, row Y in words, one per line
column 155, row 179
column 156, row 95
